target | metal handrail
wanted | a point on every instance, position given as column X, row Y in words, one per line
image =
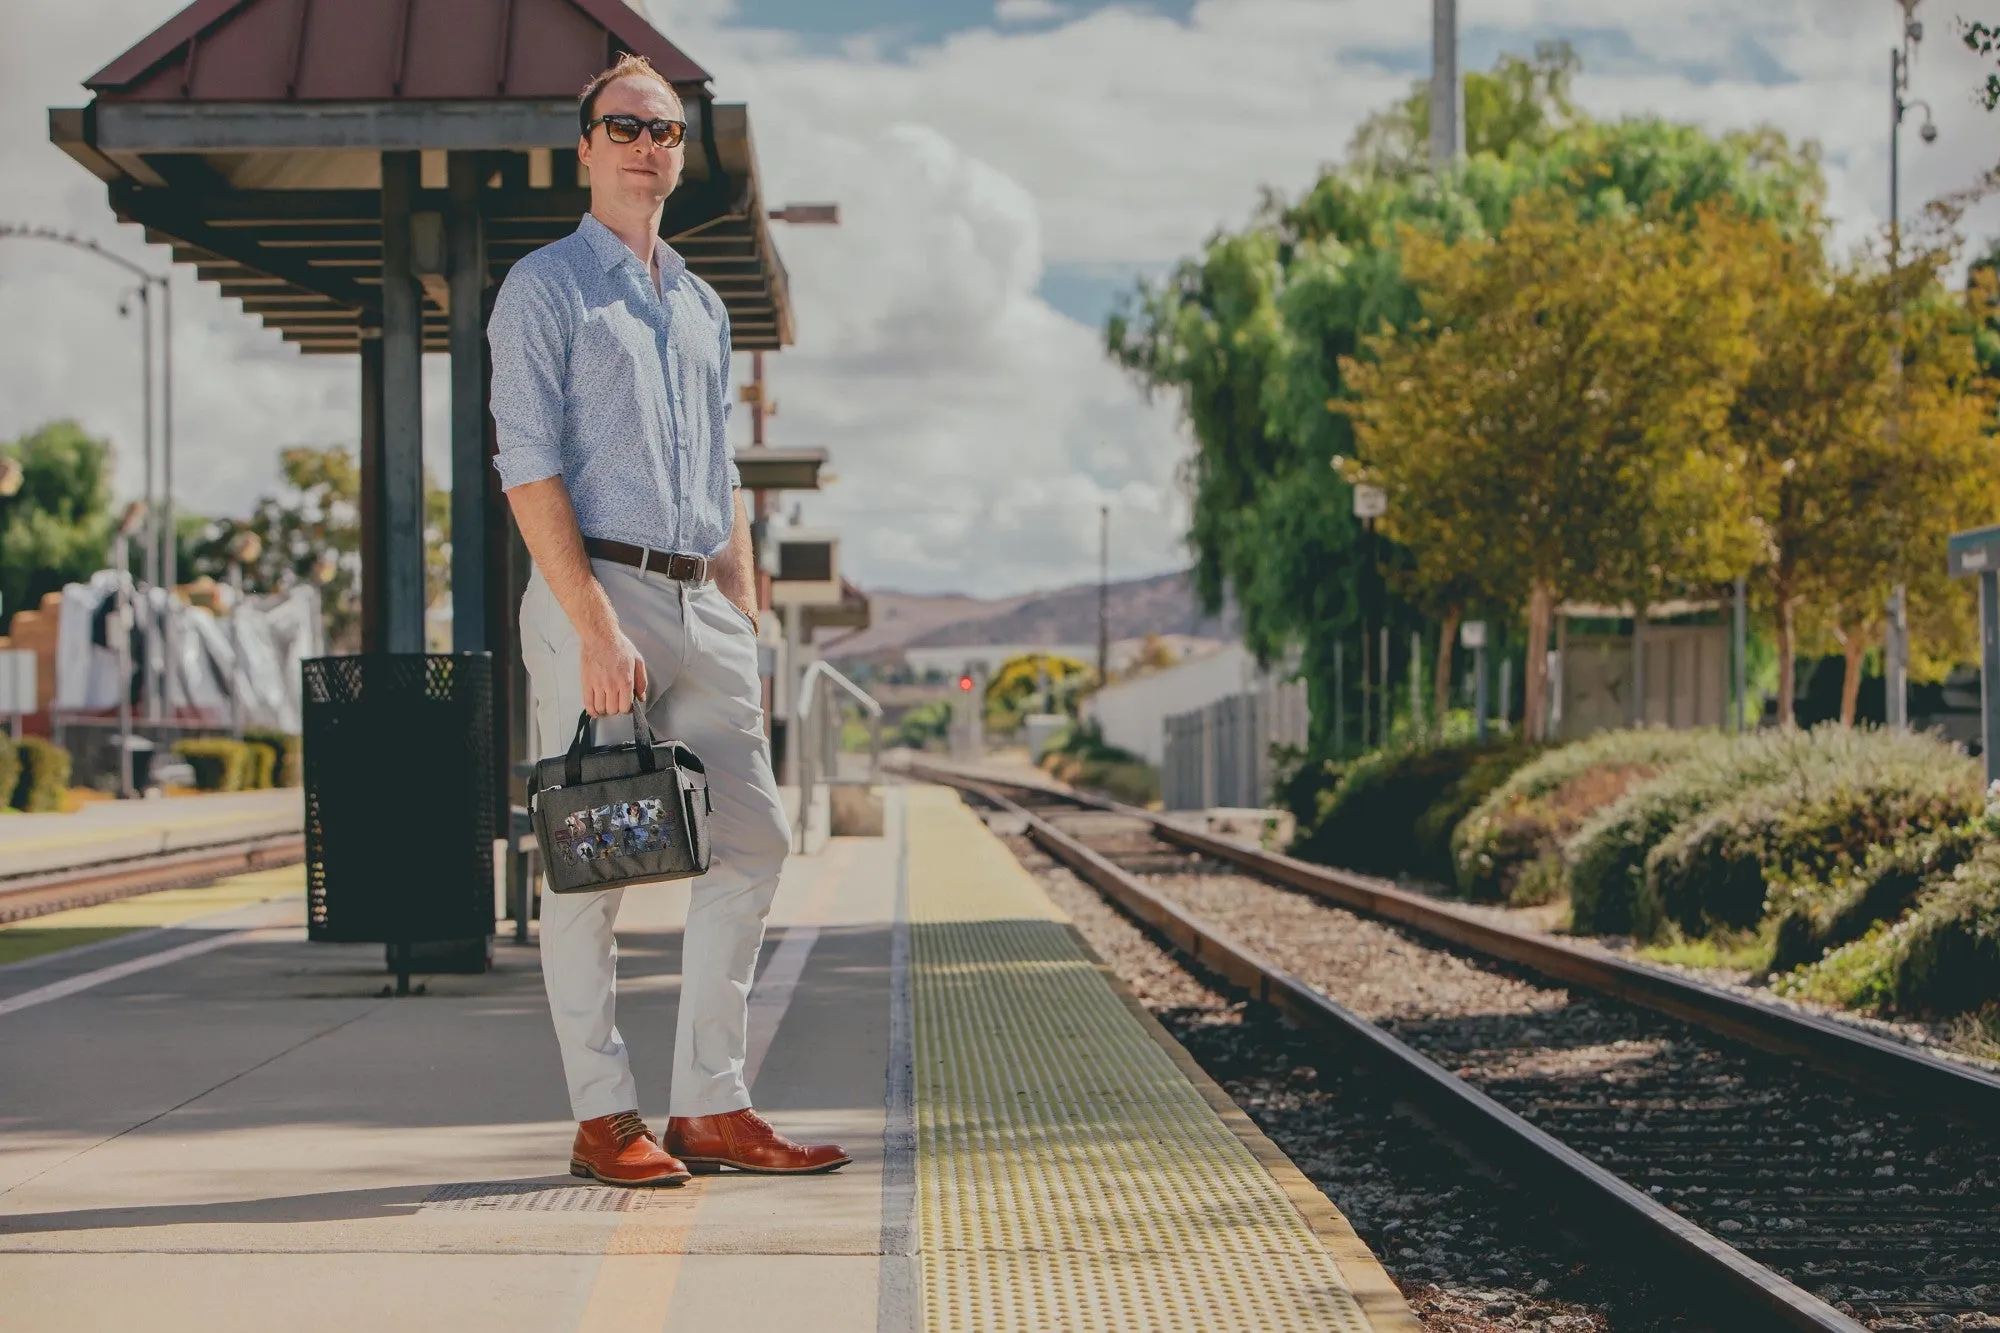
column 822, row 670
column 818, row 676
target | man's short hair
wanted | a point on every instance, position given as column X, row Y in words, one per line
column 628, row 66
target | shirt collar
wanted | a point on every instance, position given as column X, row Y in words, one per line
column 612, row 252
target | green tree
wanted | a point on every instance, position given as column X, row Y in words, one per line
column 1017, row 686
column 57, row 528
column 1249, row 336
column 1555, row 425
column 310, row 530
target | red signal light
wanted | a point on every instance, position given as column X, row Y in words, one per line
column 965, row 684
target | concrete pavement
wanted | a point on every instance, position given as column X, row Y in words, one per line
column 252, row 1137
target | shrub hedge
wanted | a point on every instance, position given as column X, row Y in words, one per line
column 285, row 755
column 1942, row 957
column 1373, row 818
column 1812, row 915
column 1610, row 891
column 1605, row 858
column 1947, row 959
column 43, row 779
column 1509, row 846
column 10, row 768
column 219, row 763
column 1083, row 758
column 1822, row 820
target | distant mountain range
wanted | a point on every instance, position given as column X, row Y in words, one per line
column 1160, row 604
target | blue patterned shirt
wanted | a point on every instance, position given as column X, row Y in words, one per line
column 619, row 388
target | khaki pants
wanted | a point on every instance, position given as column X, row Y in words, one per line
column 701, row 672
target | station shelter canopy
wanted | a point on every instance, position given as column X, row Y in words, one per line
column 253, row 136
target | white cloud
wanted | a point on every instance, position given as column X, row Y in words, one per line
column 975, row 430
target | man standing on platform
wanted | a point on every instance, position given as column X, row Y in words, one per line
column 611, row 399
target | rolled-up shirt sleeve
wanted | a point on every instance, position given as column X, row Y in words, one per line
column 529, row 338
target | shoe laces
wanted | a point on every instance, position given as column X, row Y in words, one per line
column 626, row 1126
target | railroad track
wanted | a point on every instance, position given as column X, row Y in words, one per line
column 26, row 896
column 1779, row 1188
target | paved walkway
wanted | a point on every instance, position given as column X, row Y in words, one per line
column 216, row 1126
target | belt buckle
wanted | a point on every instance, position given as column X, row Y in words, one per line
column 700, row 569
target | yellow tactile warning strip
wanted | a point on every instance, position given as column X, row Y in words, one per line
column 38, row 935
column 1069, row 1176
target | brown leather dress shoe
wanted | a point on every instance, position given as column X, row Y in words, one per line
column 619, row 1150
column 745, row 1141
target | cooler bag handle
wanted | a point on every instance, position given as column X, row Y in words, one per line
column 642, row 735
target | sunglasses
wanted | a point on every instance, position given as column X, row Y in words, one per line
column 625, row 129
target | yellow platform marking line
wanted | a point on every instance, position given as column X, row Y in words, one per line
column 41, row 935
column 1069, row 1176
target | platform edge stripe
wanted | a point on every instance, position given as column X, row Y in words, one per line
column 1372, row 1287
column 1080, row 1248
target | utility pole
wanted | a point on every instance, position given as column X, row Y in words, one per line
column 1103, row 594
column 1447, row 99
column 1896, row 649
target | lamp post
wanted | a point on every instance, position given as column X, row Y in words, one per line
column 143, row 293
column 1896, row 648
column 160, row 556
column 121, row 555
column 1370, row 503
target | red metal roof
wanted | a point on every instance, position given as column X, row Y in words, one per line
column 383, row 50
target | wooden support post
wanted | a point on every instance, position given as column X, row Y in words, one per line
column 471, row 511
column 400, row 498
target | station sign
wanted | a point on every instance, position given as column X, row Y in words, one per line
column 1976, row 551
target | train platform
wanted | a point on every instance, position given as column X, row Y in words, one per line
column 211, row 1124
column 104, row 832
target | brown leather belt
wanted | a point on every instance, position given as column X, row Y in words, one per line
column 684, row 568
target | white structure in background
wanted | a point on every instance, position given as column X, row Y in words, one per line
column 256, row 650
column 1219, row 756
column 1208, row 724
column 1132, row 714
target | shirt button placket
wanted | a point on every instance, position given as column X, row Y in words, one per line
column 678, row 444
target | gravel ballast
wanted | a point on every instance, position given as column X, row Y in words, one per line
column 1889, row 1216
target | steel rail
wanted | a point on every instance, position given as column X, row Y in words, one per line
column 1885, row 1068
column 1724, row 1276
column 26, row 896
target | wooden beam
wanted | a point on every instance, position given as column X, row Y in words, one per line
column 161, row 213
column 402, row 124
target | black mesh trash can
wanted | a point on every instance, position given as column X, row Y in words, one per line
column 398, row 760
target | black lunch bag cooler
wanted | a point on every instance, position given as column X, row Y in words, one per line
column 610, row 815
